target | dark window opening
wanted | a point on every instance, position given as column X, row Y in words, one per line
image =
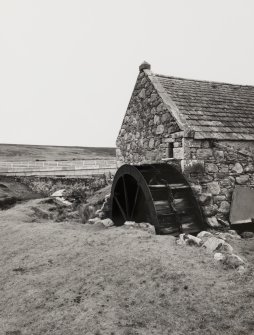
column 170, row 153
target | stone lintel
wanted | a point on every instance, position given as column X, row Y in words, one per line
column 188, row 133
column 168, row 140
column 170, row 159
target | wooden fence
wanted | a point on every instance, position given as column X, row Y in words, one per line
column 74, row 168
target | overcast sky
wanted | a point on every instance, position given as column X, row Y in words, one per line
column 68, row 67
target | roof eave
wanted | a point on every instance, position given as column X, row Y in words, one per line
column 223, row 136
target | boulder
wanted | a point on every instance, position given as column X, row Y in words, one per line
column 212, row 222
column 218, row 256
column 107, row 222
column 213, row 244
column 193, row 240
column 59, row 193
column 62, row 202
column 226, row 248
column 187, row 239
column 233, row 261
column 217, row 244
column 58, row 196
column 204, row 235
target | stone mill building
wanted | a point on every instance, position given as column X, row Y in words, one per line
column 204, row 128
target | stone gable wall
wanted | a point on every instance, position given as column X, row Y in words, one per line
column 213, row 169
column 146, row 128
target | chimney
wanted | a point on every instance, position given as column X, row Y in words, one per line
column 144, row 66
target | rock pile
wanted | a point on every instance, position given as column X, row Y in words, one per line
column 216, row 243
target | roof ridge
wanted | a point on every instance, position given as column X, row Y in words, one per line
column 203, row 81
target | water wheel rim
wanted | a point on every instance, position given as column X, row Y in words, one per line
column 130, row 170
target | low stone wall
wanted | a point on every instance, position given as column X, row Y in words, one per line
column 48, row 185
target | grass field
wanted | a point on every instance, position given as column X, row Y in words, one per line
column 16, row 152
column 68, row 278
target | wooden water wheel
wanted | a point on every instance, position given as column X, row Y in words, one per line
column 158, row 194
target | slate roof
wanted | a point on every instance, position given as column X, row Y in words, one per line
column 212, row 109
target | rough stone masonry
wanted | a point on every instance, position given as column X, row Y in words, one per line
column 204, row 128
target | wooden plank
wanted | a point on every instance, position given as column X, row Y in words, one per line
column 242, row 209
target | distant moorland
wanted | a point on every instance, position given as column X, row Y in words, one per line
column 20, row 152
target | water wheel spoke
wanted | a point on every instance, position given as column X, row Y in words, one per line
column 120, row 207
column 126, row 198
column 135, row 201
